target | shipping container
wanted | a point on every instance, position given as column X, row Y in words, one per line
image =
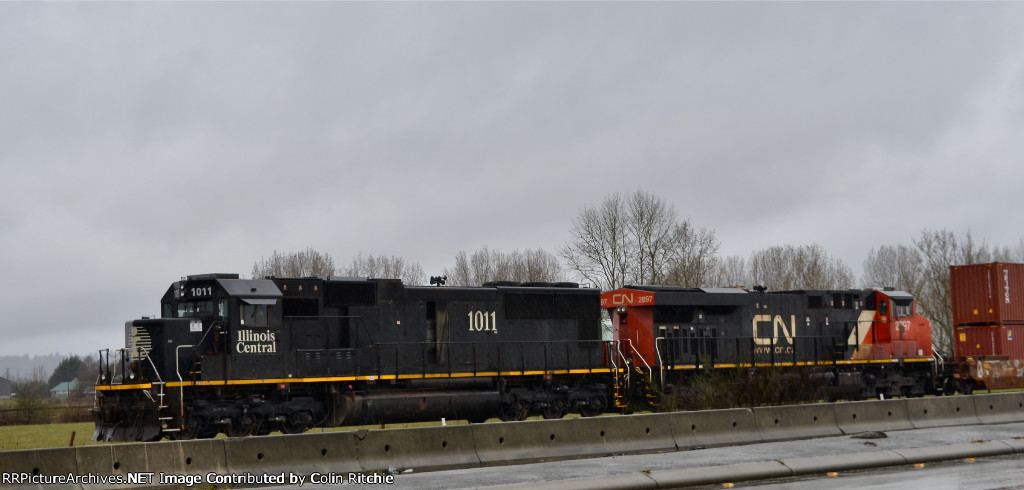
column 987, row 294
column 990, row 341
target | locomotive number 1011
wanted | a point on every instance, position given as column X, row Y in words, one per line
column 483, row 321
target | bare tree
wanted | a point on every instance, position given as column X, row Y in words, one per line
column 939, row 250
column 653, row 227
column 693, row 256
column 485, row 265
column 386, row 267
column 803, row 267
column 639, row 239
column 897, row 266
column 731, row 272
column 600, row 247
column 304, row 263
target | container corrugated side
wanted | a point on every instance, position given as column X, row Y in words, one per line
column 989, row 340
column 986, row 294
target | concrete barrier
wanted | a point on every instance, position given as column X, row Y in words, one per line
column 942, row 411
column 57, row 461
column 187, row 457
column 999, row 408
column 302, row 454
column 126, row 460
column 531, row 440
column 623, row 435
column 425, row 448
column 714, row 428
column 854, row 417
column 796, row 422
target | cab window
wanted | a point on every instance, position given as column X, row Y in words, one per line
column 254, row 315
column 904, row 308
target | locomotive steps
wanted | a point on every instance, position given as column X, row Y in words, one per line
column 477, row 445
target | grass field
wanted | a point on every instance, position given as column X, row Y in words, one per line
column 14, row 437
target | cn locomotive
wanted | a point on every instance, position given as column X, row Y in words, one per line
column 864, row 343
column 251, row 356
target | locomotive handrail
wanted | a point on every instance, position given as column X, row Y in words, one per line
column 661, row 365
column 618, row 350
column 145, row 352
column 650, row 372
column 181, row 387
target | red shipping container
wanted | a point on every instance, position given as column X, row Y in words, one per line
column 996, row 340
column 987, row 294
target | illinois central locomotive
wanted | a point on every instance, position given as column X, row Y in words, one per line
column 246, row 357
column 251, row 356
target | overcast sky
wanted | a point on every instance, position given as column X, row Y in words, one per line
column 141, row 142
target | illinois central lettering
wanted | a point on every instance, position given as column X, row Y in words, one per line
column 777, row 324
column 250, row 342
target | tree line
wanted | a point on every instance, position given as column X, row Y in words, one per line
column 639, row 238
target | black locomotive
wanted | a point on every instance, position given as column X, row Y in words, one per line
column 252, row 356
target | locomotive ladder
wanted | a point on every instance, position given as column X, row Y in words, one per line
column 165, row 419
column 161, row 403
column 624, row 383
column 161, row 406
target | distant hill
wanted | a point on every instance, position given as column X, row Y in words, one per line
column 20, row 367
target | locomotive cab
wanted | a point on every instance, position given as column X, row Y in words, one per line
column 227, row 317
column 202, row 315
column 897, row 330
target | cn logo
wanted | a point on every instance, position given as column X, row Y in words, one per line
column 777, row 325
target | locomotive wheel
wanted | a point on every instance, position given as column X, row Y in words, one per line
column 967, row 386
column 260, row 429
column 191, row 430
column 948, row 387
column 297, row 423
column 554, row 410
column 513, row 411
column 593, row 408
column 239, row 427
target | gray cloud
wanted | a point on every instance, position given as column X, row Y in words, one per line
column 143, row 142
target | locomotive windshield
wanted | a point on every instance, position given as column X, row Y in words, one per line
column 203, row 309
column 904, row 307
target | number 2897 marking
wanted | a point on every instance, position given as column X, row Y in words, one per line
column 483, row 321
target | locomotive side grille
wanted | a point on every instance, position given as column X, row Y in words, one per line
column 141, row 344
